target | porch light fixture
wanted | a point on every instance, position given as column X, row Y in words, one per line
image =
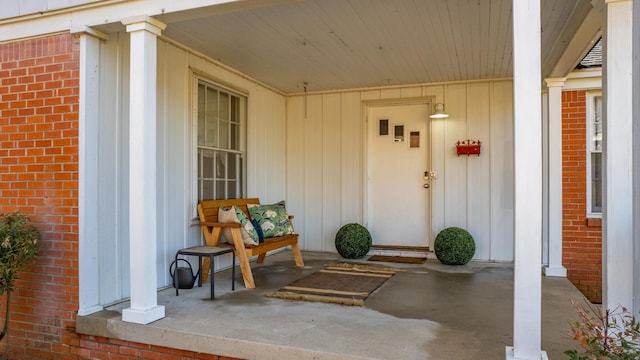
column 439, row 114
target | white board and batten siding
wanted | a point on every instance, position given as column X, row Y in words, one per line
column 176, row 155
column 327, row 150
column 113, row 169
column 502, row 170
column 265, row 144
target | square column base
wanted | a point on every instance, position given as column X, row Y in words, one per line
column 143, row 316
column 557, row 271
column 511, row 356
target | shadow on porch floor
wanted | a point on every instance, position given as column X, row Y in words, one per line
column 429, row 311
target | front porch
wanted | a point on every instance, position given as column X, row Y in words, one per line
column 429, row 311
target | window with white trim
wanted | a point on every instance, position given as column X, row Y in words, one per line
column 594, row 154
column 221, row 139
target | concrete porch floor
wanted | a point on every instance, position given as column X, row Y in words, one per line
column 428, row 311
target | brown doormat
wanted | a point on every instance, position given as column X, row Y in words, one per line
column 346, row 284
column 399, row 247
column 398, row 259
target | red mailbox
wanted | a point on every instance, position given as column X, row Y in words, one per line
column 468, row 147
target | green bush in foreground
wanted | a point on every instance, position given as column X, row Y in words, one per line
column 604, row 335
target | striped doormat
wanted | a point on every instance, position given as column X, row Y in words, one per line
column 346, row 284
column 398, row 259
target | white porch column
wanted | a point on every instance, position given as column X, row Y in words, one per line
column 142, row 171
column 617, row 227
column 555, row 267
column 88, row 189
column 636, row 159
column 528, row 181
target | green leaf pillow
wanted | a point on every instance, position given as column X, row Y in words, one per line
column 273, row 219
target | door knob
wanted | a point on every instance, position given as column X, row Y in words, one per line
column 430, row 175
column 426, row 186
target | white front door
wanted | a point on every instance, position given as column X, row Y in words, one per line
column 398, row 157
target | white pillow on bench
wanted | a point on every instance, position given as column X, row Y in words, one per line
column 235, row 215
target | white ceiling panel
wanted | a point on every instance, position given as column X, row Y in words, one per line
column 337, row 44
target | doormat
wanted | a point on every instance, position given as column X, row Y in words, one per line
column 398, row 259
column 346, row 284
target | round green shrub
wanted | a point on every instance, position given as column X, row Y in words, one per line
column 454, row 246
column 353, row 241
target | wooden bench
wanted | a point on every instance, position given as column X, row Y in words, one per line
column 211, row 228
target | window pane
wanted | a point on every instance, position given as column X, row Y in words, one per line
column 224, row 134
column 596, row 182
column 240, row 176
column 235, row 109
column 224, row 119
column 220, row 190
column 201, row 113
column 224, row 106
column 232, row 190
column 211, row 126
column 221, row 165
column 207, row 190
column 597, row 123
column 207, row 164
column 235, row 136
column 232, row 170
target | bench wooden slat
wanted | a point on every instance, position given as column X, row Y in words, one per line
column 211, row 228
column 219, row 224
column 271, row 244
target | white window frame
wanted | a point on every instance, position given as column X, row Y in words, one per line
column 590, row 96
column 197, row 78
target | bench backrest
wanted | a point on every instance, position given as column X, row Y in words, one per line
column 208, row 209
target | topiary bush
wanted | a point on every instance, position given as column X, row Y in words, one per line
column 454, row 246
column 353, row 241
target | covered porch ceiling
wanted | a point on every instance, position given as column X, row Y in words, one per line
column 340, row 44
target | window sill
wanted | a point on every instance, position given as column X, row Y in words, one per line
column 594, row 222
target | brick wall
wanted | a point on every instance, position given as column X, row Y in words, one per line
column 581, row 237
column 39, row 177
column 39, row 89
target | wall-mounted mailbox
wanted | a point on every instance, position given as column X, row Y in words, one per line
column 468, row 147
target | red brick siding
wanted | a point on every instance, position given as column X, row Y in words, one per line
column 39, row 89
column 581, row 237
